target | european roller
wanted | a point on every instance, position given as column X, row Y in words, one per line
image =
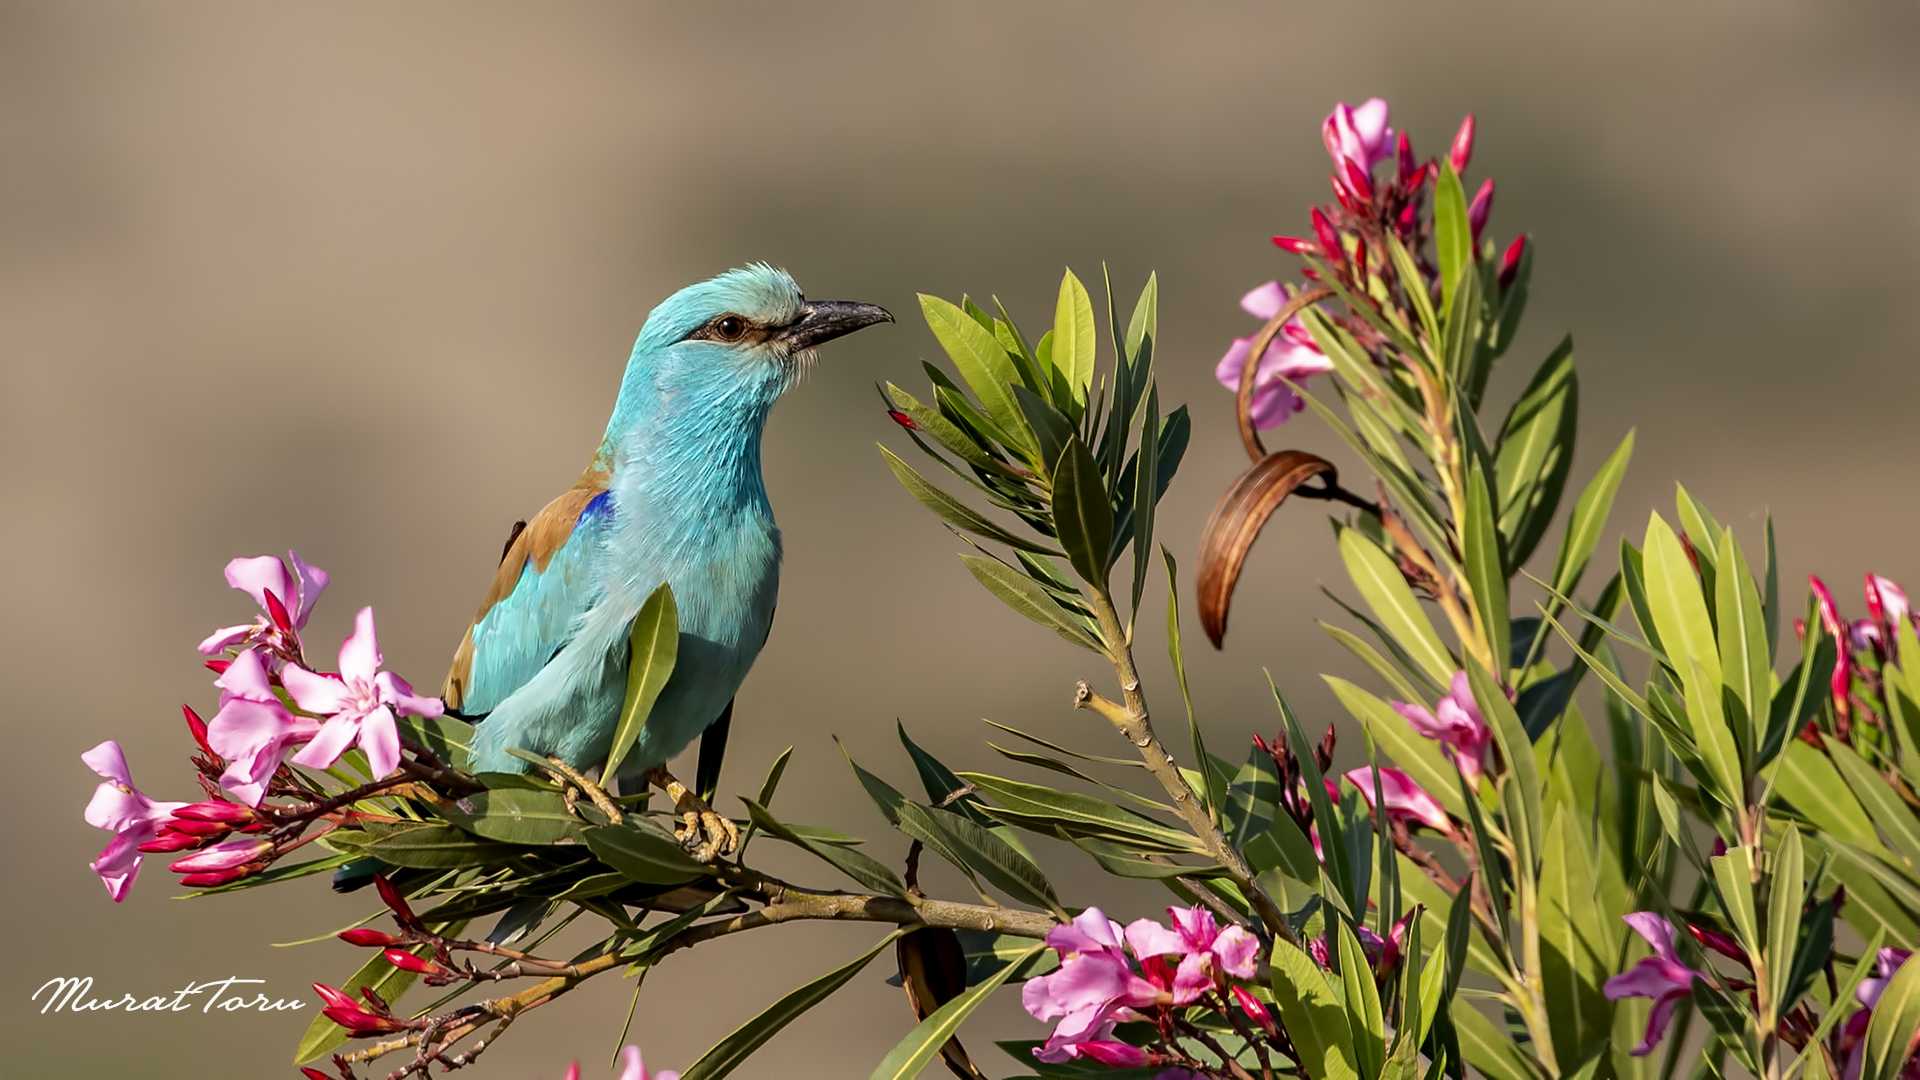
column 674, row 494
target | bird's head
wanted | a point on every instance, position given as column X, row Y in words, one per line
column 736, row 342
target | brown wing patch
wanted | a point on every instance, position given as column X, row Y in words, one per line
column 535, row 539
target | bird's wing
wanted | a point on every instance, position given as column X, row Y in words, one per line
column 543, row 585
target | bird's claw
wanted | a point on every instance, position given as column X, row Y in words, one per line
column 706, row 835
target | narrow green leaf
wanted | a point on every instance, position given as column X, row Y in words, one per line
column 1888, row 811
column 729, row 1052
column 515, row 816
column 953, row 510
column 1024, row 595
column 1732, row 875
column 917, row 1050
column 980, row 850
column 1363, row 1004
column 1575, row 958
column 642, row 852
column 1676, row 602
column 1515, row 747
column 1314, row 1016
column 1213, row 793
column 1895, row 1022
column 1783, row 916
column 654, row 646
column 1535, row 452
column 1745, row 664
column 438, row 847
column 1074, row 335
column 1386, row 592
column 1082, row 516
column 1146, row 495
column 1453, row 237
column 1488, row 1049
column 1486, row 568
column 1589, row 518
column 1070, row 807
column 862, row 868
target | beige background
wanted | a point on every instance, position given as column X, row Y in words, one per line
column 359, row 279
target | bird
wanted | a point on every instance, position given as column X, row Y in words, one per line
column 675, row 495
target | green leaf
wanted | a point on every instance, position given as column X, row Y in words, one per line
column 323, row 1035
column 1888, row 811
column 1142, row 330
column 868, row 871
column 944, row 431
column 1486, row 568
column 1385, row 591
column 1314, row 1016
column 1895, row 1022
column 1453, row 237
column 1745, row 662
column 515, row 816
column 1487, row 1048
column 1074, row 335
column 1050, row 429
column 1251, row 799
column 985, row 366
column 1082, row 516
column 644, row 853
column 1024, row 595
column 953, row 510
column 1364, row 1021
column 1535, row 454
column 729, row 1052
column 1589, row 517
column 913, row 1053
column 1214, row 794
column 1115, row 860
column 1808, row 779
column 1511, row 736
column 654, row 642
column 976, row 849
column 1576, row 955
column 1783, row 916
column 1371, row 657
column 437, row 847
column 1145, row 495
column 1676, row 602
column 1071, row 809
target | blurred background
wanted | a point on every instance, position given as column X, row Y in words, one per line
column 360, row 280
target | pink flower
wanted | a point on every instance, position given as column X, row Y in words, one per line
column 1459, row 727
column 222, row 856
column 295, row 591
column 1853, row 1035
column 133, row 818
column 1886, row 601
column 1358, row 135
column 1291, row 356
column 252, row 730
column 1092, row 988
column 1406, row 800
column 1207, row 953
column 1841, row 683
column 359, row 702
column 1661, row 977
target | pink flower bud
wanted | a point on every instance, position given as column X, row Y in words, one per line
column 393, row 899
column 366, row 938
column 1462, row 150
column 1477, row 211
column 225, row 813
column 1295, row 246
column 1510, row 262
column 1114, row 1055
column 1255, row 1009
column 1342, row 196
column 407, row 961
column 1886, row 600
column 1719, row 942
column 1409, row 216
column 360, row 1023
column 200, row 830
column 223, row 856
column 313, row 1074
column 218, row 877
column 277, row 612
column 198, row 728
column 1403, row 161
column 218, row 667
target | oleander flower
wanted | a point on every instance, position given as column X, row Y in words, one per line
column 1291, row 357
column 1661, row 977
column 1455, row 722
column 359, row 703
column 123, row 809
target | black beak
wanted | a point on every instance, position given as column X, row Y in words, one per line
column 824, row 320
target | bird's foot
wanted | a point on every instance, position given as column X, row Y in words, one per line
column 707, row 836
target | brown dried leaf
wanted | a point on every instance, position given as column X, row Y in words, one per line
column 933, row 969
column 1236, row 522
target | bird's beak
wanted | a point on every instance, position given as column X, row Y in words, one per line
column 824, row 320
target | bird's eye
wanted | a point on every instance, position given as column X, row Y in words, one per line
column 730, row 328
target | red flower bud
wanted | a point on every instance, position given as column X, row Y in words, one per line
column 170, row 840
column 225, row 813
column 360, row 1023
column 1357, row 180
column 220, row 877
column 218, row 667
column 1510, row 262
column 1324, row 233
column 367, row 938
column 1116, row 1055
column 198, row 728
column 1462, row 151
column 1404, row 156
column 903, row 419
column 1477, row 212
column 1409, row 216
column 1420, row 176
column 393, row 899
column 1719, row 942
column 1340, row 195
column 334, row 998
column 1295, row 246
column 200, row 830
column 313, row 1074
column 223, row 856
column 1255, row 1009
column 406, row 961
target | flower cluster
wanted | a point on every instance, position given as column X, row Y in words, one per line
column 1863, row 648
column 1350, row 248
column 1146, row 971
column 274, row 709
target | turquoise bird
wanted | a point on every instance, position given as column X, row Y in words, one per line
column 673, row 495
